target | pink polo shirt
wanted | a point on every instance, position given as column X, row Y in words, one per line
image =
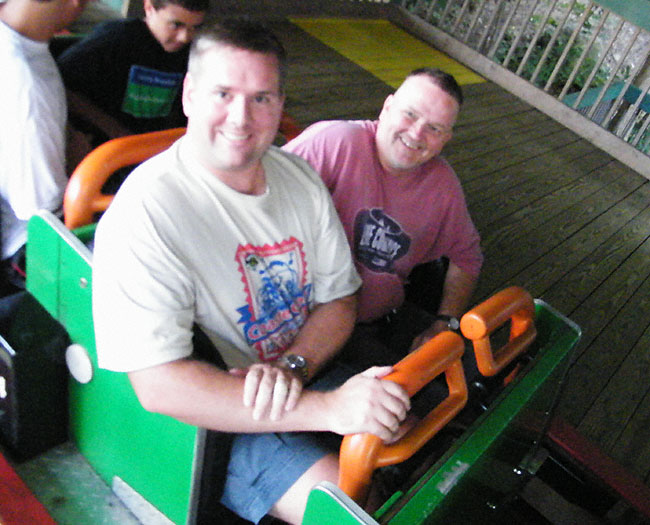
column 393, row 223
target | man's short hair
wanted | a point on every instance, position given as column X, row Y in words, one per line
column 443, row 80
column 241, row 34
column 190, row 5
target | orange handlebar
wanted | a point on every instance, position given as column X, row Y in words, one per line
column 83, row 195
column 514, row 304
column 361, row 454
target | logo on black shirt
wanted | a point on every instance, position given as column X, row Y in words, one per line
column 379, row 240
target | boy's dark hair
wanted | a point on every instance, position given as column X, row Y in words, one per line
column 443, row 80
column 190, row 5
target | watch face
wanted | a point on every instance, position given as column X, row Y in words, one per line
column 296, row 361
column 452, row 322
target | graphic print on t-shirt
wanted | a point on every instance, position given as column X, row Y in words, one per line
column 277, row 297
column 150, row 93
column 379, row 240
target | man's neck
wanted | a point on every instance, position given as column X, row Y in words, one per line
column 249, row 182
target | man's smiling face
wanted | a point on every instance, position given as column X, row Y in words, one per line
column 414, row 125
column 233, row 105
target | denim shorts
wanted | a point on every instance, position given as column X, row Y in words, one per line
column 263, row 467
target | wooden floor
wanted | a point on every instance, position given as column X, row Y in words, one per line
column 556, row 215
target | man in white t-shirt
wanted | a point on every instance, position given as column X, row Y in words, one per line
column 33, row 116
column 225, row 231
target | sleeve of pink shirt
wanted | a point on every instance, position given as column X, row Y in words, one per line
column 458, row 237
column 321, row 145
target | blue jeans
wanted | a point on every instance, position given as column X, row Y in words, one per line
column 263, row 467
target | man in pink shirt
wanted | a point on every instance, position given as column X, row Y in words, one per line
column 403, row 208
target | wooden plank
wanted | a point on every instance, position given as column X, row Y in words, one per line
column 478, row 98
column 633, row 446
column 601, row 185
column 612, row 319
column 357, row 93
column 538, row 258
column 383, row 49
column 608, row 418
column 490, row 109
column 606, row 259
column 475, row 91
column 279, row 10
column 592, row 459
column 512, row 162
column 491, row 199
column 477, row 146
column 322, row 84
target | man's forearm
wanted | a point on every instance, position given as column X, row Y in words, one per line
column 457, row 291
column 273, row 389
column 199, row 394
column 456, row 294
column 325, row 332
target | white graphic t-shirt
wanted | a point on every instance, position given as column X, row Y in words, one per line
column 178, row 246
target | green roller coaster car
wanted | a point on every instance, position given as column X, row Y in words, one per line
column 158, row 461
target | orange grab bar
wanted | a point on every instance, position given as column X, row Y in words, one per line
column 289, row 128
column 83, row 196
column 361, row 454
column 514, row 304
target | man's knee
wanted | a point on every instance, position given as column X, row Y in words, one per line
column 291, row 506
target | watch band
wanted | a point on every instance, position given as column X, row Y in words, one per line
column 452, row 322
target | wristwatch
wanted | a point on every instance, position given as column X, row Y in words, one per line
column 297, row 364
column 452, row 322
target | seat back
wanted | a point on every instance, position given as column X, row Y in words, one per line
column 142, row 455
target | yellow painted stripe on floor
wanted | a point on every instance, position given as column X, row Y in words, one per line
column 382, row 48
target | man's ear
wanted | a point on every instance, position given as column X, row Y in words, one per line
column 148, row 6
column 386, row 105
column 188, row 85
